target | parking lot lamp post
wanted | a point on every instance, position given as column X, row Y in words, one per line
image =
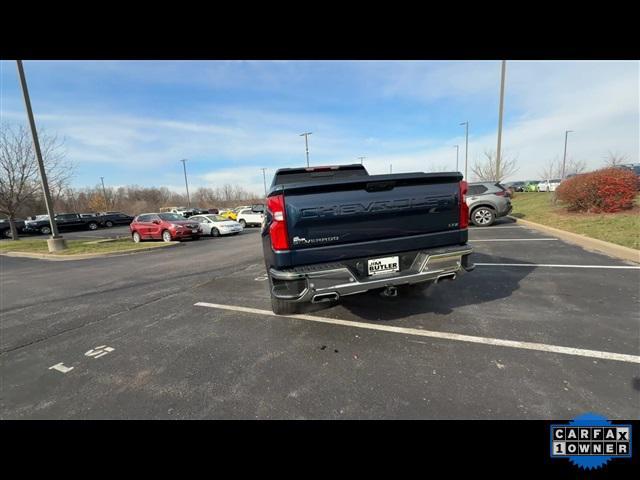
column 361, row 160
column 104, row 194
column 504, row 67
column 466, row 148
column 306, row 144
column 186, row 184
column 264, row 180
column 564, row 157
column 55, row 242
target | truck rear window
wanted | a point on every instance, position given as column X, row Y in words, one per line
column 300, row 175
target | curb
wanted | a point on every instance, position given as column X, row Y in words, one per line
column 588, row 243
column 86, row 256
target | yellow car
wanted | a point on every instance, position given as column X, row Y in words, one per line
column 230, row 214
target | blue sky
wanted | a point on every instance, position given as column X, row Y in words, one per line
column 132, row 121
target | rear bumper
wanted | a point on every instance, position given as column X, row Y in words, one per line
column 331, row 281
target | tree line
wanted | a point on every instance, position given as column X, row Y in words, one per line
column 21, row 191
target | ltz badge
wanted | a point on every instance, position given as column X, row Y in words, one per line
column 590, row 441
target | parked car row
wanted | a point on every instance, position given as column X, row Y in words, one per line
column 39, row 224
column 229, row 213
column 174, row 226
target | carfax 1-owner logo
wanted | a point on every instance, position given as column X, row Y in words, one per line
column 589, row 441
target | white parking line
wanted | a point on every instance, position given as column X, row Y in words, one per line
column 514, row 240
column 629, row 267
column 488, row 229
column 541, row 347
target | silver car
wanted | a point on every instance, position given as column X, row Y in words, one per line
column 215, row 225
column 487, row 201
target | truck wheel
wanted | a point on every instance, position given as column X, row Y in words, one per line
column 45, row 230
column 281, row 307
column 483, row 217
column 93, row 226
column 243, row 223
column 109, row 223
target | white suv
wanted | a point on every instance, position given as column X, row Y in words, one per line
column 548, row 185
column 247, row 217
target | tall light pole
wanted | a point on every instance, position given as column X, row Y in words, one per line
column 306, row 143
column 104, row 194
column 362, row 160
column 457, row 151
column 564, row 157
column 504, row 68
column 55, row 242
column 264, row 180
column 466, row 148
column 186, row 184
column 391, row 168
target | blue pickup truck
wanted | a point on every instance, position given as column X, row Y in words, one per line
column 334, row 231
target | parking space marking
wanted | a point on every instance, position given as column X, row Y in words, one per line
column 628, row 267
column 486, row 229
column 541, row 347
column 61, row 368
column 515, row 240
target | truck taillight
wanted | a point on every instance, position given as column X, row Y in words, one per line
column 464, row 209
column 278, row 227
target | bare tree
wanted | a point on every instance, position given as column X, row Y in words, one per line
column 613, row 159
column 19, row 177
column 553, row 168
column 486, row 170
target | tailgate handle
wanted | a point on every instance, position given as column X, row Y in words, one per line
column 380, row 186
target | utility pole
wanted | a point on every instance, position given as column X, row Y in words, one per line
column 306, row 143
column 504, row 68
column 104, row 194
column 466, row 148
column 457, row 151
column 264, row 180
column 55, row 242
column 564, row 157
column 186, row 184
column 362, row 160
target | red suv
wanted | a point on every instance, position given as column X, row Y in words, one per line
column 163, row 226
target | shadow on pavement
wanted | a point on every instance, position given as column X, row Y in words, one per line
column 484, row 284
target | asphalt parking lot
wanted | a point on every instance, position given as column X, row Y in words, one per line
column 540, row 330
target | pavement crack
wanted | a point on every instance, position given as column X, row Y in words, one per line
column 87, row 324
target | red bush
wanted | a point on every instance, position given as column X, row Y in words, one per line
column 606, row 190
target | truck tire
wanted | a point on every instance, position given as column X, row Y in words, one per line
column 483, row 217
column 281, row 307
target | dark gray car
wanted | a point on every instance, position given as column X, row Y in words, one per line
column 487, row 201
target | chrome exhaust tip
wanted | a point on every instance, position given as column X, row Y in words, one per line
column 325, row 297
column 448, row 276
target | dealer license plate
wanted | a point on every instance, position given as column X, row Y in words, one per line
column 378, row 266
